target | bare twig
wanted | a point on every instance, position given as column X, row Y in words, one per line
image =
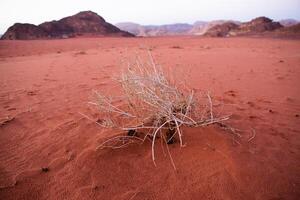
column 253, row 135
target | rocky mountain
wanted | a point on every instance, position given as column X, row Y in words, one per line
column 132, row 28
column 198, row 28
column 155, row 30
column 83, row 23
column 216, row 28
column 221, row 30
column 24, row 32
column 169, row 29
column 294, row 28
column 256, row 26
column 290, row 30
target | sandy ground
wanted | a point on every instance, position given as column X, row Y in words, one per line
column 47, row 149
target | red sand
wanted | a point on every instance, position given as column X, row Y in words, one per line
column 45, row 84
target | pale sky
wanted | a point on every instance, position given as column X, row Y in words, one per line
column 146, row 12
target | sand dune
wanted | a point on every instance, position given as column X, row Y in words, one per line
column 48, row 150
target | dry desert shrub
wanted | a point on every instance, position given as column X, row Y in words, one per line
column 152, row 106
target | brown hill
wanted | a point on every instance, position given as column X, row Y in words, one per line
column 83, row 23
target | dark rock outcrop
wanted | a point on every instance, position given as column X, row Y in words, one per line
column 24, row 32
column 83, row 23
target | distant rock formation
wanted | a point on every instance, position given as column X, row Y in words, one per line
column 200, row 28
column 155, row 30
column 90, row 23
column 83, row 23
column 216, row 28
column 292, row 29
column 256, row 26
column 288, row 22
column 133, row 28
column 285, row 32
column 289, row 30
column 24, row 32
column 221, row 30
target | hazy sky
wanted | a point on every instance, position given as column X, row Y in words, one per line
column 146, row 12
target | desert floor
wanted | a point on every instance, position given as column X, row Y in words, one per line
column 48, row 149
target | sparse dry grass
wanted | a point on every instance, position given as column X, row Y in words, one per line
column 153, row 105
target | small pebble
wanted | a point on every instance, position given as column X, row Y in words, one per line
column 45, row 169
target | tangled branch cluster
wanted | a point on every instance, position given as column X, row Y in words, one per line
column 153, row 105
